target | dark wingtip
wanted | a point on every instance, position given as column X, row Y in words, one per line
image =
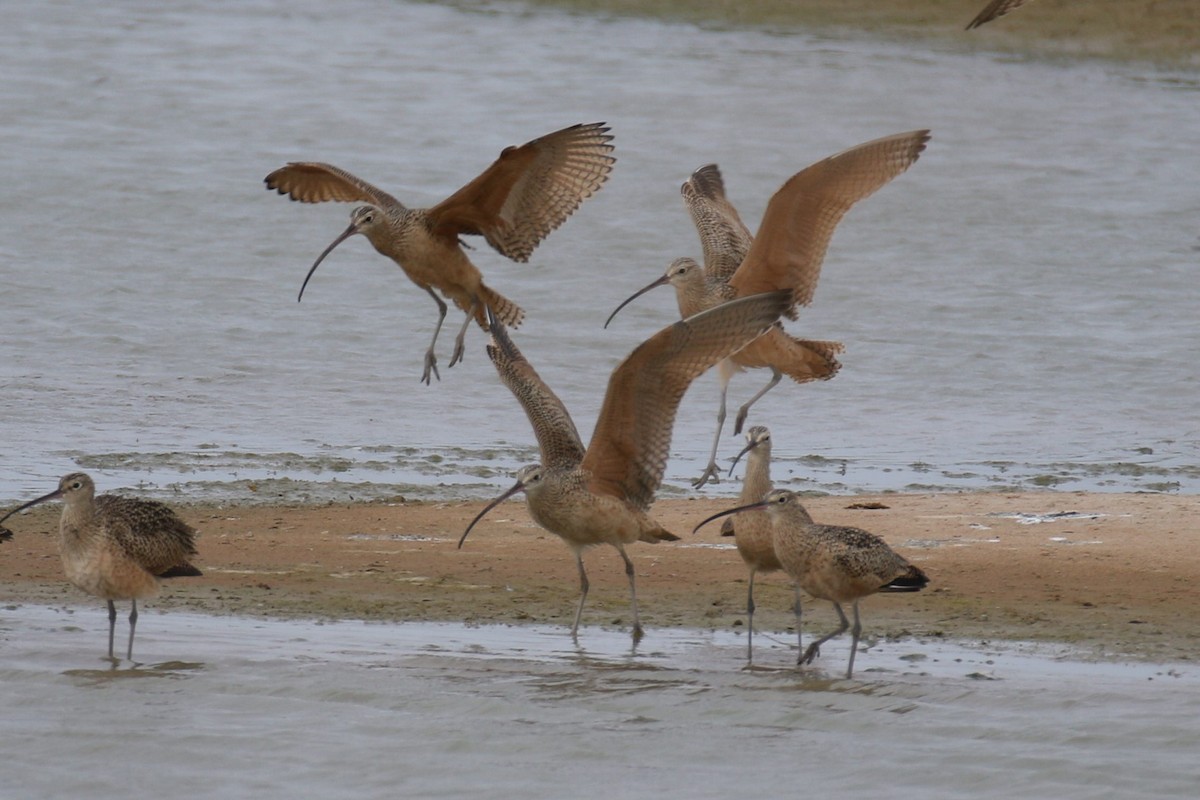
column 5, row 534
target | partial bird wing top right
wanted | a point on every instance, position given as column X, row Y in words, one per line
column 313, row 182
column 724, row 238
column 628, row 451
column 801, row 217
column 552, row 425
column 994, row 9
column 529, row 190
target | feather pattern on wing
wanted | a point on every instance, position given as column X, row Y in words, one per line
column 314, row 182
column 724, row 238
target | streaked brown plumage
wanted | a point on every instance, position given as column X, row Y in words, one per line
column 832, row 562
column 601, row 495
column 117, row 548
column 515, row 203
column 787, row 253
column 752, row 529
column 993, row 10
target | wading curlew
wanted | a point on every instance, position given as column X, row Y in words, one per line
column 832, row 562
column 117, row 548
column 515, row 203
column 752, row 529
column 786, row 254
column 601, row 495
column 993, row 10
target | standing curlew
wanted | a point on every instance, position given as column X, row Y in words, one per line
column 515, row 203
column 602, row 495
column 993, row 10
column 787, row 254
column 752, row 531
column 117, row 548
column 832, row 562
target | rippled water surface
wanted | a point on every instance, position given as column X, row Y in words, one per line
column 229, row 707
column 1018, row 309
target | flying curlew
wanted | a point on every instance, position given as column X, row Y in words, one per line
column 117, row 548
column 787, row 253
column 515, row 203
column 832, row 562
column 601, row 495
column 993, row 10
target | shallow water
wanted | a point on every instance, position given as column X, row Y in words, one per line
column 1018, row 309
column 226, row 706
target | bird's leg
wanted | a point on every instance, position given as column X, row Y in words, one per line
column 814, row 649
column 712, row 471
column 583, row 590
column 745, row 409
column 855, row 631
column 750, row 619
column 637, row 625
column 796, row 608
column 112, row 626
column 132, row 626
column 459, row 340
column 430, row 357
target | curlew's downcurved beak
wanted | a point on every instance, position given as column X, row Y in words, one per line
column 519, row 486
column 749, row 446
column 55, row 495
column 346, row 234
column 727, row 512
column 663, row 280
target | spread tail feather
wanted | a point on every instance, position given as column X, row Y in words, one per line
column 912, row 581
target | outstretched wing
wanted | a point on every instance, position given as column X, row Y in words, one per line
column 313, row 182
column 725, row 239
column 994, row 9
column 800, row 218
column 529, row 190
column 629, row 448
column 552, row 425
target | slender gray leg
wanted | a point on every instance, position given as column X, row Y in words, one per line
column 430, row 357
column 583, row 591
column 750, row 619
column 712, row 471
column 814, row 649
column 132, row 627
column 637, row 625
column 854, row 634
column 459, row 341
column 796, row 609
column 745, row 409
column 112, row 626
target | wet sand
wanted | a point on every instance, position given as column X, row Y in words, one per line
column 1120, row 577
column 1166, row 32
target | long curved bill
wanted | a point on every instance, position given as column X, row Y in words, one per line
column 727, row 512
column 346, row 234
column 52, row 496
column 750, row 446
column 634, row 296
column 516, row 488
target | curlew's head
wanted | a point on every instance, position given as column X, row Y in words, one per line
column 683, row 274
column 74, row 488
column 529, row 478
column 370, row 221
column 781, row 504
column 758, row 439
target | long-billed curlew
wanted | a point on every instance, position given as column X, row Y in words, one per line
column 787, row 253
column 832, row 562
column 752, row 530
column 993, row 10
column 515, row 203
column 117, row 548
column 601, row 495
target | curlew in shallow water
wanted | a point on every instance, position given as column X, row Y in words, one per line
column 837, row 563
column 117, row 548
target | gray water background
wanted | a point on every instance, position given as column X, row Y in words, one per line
column 1019, row 309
